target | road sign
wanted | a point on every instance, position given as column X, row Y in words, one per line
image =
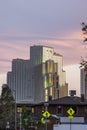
column 70, row 117
column 46, row 114
column 70, row 112
column 43, row 120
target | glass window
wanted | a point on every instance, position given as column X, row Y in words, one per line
column 46, row 98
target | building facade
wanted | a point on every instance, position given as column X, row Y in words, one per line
column 47, row 73
column 46, row 80
column 19, row 80
column 83, row 77
column 41, row 78
column 60, row 111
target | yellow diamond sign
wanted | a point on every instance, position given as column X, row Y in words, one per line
column 46, row 114
column 70, row 111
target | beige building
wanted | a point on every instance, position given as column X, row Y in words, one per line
column 46, row 82
column 47, row 69
column 41, row 78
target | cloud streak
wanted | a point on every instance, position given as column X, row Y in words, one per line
column 69, row 46
column 50, row 23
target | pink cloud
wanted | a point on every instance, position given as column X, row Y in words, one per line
column 70, row 46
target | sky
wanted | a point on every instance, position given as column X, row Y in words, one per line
column 54, row 23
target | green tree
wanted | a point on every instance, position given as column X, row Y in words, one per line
column 6, row 107
column 25, row 117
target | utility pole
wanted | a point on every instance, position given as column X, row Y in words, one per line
column 70, row 123
column 15, row 111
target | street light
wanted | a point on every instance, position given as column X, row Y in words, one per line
column 15, row 112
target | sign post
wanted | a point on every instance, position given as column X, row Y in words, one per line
column 71, row 112
column 46, row 114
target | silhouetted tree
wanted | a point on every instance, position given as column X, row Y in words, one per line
column 84, row 29
column 6, row 107
column 83, row 61
column 83, row 64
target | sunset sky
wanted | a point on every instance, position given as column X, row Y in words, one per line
column 55, row 23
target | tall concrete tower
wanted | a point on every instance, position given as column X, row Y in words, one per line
column 19, row 80
column 41, row 78
column 46, row 64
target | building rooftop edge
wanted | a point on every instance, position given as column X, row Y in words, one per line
column 42, row 46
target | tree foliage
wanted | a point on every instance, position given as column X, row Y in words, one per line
column 84, row 29
column 83, row 61
column 83, row 64
column 6, row 107
column 25, row 117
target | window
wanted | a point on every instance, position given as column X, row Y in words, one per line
column 50, row 79
column 32, row 109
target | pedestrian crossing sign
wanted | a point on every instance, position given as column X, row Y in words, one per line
column 46, row 114
column 70, row 112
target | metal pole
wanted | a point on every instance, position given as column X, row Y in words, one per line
column 15, row 111
column 20, row 120
column 70, row 123
column 46, row 109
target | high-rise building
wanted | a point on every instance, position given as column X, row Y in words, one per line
column 19, row 80
column 47, row 68
column 83, row 80
column 41, row 78
column 46, row 81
